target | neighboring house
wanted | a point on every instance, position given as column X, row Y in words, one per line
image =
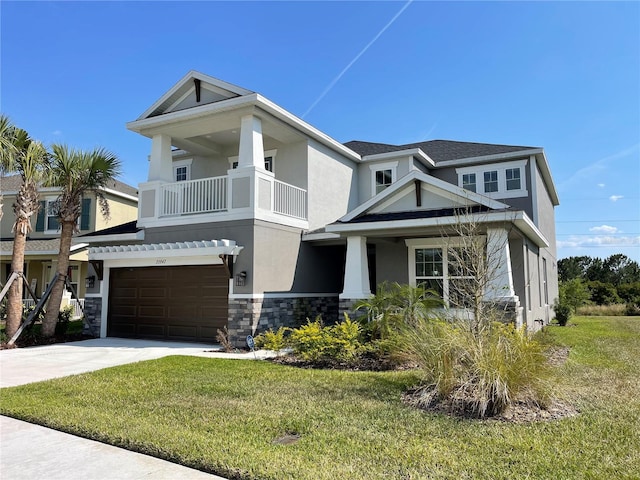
column 43, row 243
column 252, row 218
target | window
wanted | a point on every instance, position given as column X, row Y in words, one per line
column 544, row 281
column 490, row 181
column 182, row 170
column 442, row 269
column 382, row 176
column 51, row 216
column 269, row 160
column 513, row 178
column 469, row 181
column 497, row 180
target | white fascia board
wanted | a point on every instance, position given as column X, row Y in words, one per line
column 413, row 152
column 115, row 238
column 162, row 251
column 117, row 193
column 458, row 192
column 304, row 127
column 312, row 237
column 41, row 190
column 541, row 160
column 489, row 158
column 78, row 247
column 183, row 81
column 519, row 219
column 191, row 113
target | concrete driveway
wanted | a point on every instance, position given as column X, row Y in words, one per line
column 30, row 451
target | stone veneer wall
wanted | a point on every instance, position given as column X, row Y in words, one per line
column 92, row 316
column 253, row 316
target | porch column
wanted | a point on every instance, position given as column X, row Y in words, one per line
column 160, row 166
column 251, row 151
column 356, row 270
column 499, row 266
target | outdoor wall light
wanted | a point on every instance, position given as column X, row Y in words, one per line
column 90, row 281
column 241, row 279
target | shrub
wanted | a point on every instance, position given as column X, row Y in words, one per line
column 562, row 311
column 222, row 336
column 632, row 309
column 64, row 317
column 316, row 342
column 603, row 293
column 271, row 340
column 479, row 372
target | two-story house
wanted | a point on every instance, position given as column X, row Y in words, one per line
column 43, row 243
column 252, row 218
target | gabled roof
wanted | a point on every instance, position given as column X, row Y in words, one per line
column 455, row 196
column 216, row 90
column 39, row 246
column 438, row 150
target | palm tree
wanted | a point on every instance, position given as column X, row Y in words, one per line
column 28, row 158
column 76, row 172
column 7, row 148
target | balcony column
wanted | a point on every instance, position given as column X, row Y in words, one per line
column 499, row 266
column 160, row 161
column 356, row 271
column 251, row 151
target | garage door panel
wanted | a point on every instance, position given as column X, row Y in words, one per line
column 170, row 303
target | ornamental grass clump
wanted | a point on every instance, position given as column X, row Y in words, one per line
column 477, row 373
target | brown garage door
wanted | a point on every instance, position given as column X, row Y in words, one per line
column 168, row 303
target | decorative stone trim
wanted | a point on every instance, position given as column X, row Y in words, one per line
column 92, row 316
column 252, row 316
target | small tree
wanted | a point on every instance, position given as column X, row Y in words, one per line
column 77, row 173
column 573, row 293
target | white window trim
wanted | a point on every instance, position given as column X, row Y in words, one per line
column 501, row 168
column 182, row 163
column 377, row 167
column 267, row 153
column 47, row 230
column 414, row 244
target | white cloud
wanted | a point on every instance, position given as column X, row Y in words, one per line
column 56, row 132
column 601, row 185
column 615, row 198
column 604, row 229
column 599, row 241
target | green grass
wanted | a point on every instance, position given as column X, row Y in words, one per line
column 222, row 416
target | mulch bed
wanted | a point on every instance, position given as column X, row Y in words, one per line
column 27, row 340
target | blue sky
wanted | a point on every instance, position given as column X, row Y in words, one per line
column 563, row 76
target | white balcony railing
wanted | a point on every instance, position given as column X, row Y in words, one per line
column 212, row 195
column 289, row 200
column 193, row 196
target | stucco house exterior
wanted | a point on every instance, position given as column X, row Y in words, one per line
column 252, row 218
column 43, row 243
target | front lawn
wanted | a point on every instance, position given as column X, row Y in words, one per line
column 223, row 416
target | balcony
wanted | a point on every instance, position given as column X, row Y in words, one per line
column 244, row 193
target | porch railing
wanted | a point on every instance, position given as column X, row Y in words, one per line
column 289, row 200
column 194, row 196
column 78, row 306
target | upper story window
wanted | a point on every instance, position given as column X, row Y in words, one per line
column 469, row 181
column 269, row 160
column 491, row 181
column 51, row 223
column 382, row 176
column 182, row 170
column 497, row 180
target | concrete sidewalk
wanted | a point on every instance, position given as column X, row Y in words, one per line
column 30, row 451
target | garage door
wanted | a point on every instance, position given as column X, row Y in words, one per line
column 168, row 303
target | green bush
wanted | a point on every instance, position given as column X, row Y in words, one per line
column 603, row 293
column 271, row 340
column 64, row 317
column 562, row 311
column 479, row 372
column 632, row 309
column 316, row 342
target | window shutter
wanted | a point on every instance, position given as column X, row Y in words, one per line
column 86, row 214
column 41, row 215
